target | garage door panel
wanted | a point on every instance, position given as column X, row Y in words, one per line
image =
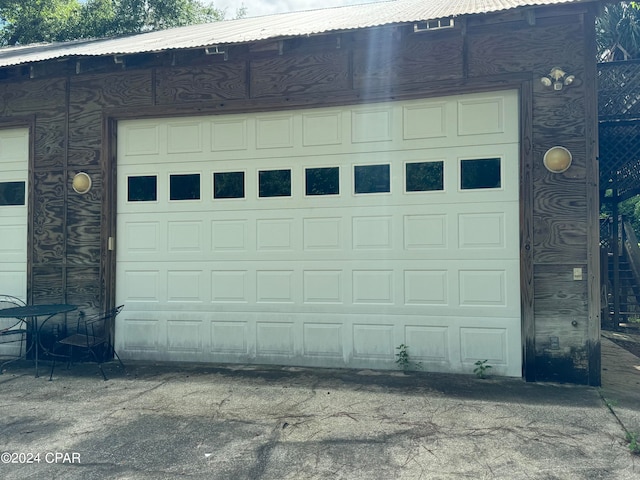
column 408, row 232
column 359, row 340
column 427, row 287
column 14, row 168
column 323, row 339
column 451, row 191
column 185, row 336
column 428, row 343
column 472, row 121
column 483, row 344
column 230, row 285
column 229, row 337
column 447, row 230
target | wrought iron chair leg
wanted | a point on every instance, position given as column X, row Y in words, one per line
column 99, row 362
column 118, row 357
column 53, row 365
column 19, row 357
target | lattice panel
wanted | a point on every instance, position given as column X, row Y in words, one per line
column 605, row 233
column 619, row 90
column 620, row 156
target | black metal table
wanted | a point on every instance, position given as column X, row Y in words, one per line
column 31, row 313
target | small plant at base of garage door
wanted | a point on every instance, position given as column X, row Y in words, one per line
column 481, row 368
column 634, row 442
column 403, row 361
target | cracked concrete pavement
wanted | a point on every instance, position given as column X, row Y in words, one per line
column 244, row 422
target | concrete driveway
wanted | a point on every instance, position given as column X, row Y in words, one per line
column 212, row 422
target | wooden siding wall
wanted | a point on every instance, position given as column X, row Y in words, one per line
column 74, row 113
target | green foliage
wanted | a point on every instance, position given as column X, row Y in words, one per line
column 618, row 32
column 30, row 21
column 629, row 209
column 403, row 361
column 481, row 368
column 633, row 438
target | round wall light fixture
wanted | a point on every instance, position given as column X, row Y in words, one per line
column 81, row 183
column 557, row 159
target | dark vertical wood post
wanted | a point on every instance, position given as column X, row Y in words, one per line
column 593, row 201
column 526, row 232
column 109, row 198
column 616, row 259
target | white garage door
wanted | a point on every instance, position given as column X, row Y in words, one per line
column 14, row 169
column 323, row 237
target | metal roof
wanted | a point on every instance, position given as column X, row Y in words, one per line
column 270, row 27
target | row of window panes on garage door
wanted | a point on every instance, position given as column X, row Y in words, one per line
column 419, row 177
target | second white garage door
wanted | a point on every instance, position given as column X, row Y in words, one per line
column 323, row 237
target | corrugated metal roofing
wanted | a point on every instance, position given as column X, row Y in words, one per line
column 286, row 25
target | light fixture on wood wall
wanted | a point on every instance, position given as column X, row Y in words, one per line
column 557, row 159
column 81, row 183
column 557, row 79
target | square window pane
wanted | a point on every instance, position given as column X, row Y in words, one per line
column 424, row 176
column 184, row 186
column 274, row 183
column 481, row 173
column 12, row 193
column 372, row 178
column 228, row 185
column 142, row 189
column 322, row 181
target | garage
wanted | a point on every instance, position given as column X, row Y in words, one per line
column 323, row 237
column 14, row 168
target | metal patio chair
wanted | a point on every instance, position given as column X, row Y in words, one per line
column 13, row 332
column 92, row 336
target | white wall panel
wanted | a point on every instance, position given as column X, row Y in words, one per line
column 274, row 338
column 184, row 137
column 426, row 287
column 140, row 139
column 274, row 131
column 14, row 148
column 184, row 285
column 184, row 336
column 229, row 235
column 229, row 134
column 481, row 230
column 484, row 344
column 371, row 125
column 140, row 285
column 427, row 343
column 323, row 286
column 426, row 120
column 184, row 236
column 141, row 237
column 141, row 334
column 483, row 287
column 425, row 231
column 481, row 116
column 373, row 286
column 229, row 286
column 275, row 234
column 323, row 339
column 372, row 232
column 370, row 341
column 322, row 233
column 321, row 129
column 12, row 246
column 13, row 279
column 274, row 286
column 229, row 337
